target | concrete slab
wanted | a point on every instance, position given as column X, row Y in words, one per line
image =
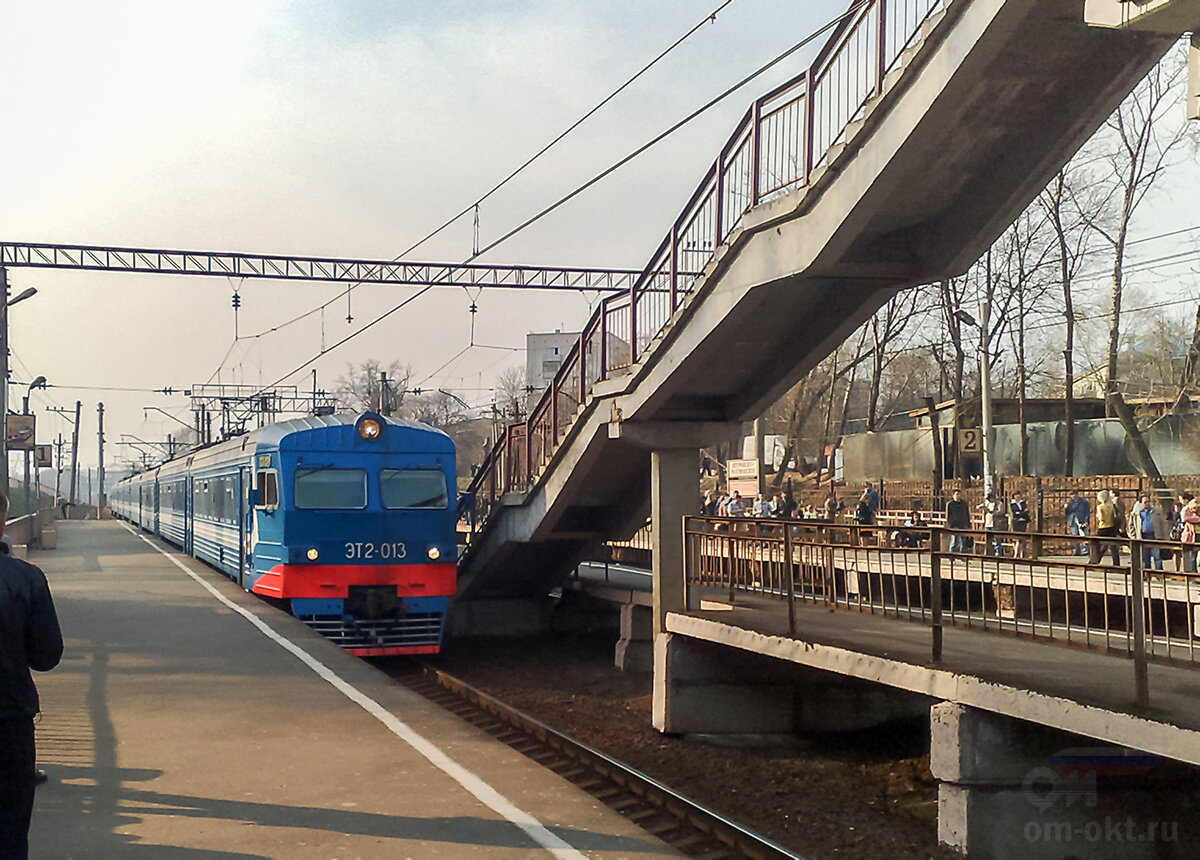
column 176, row 728
column 1075, row 690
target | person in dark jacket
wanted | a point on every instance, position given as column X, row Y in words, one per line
column 958, row 518
column 30, row 638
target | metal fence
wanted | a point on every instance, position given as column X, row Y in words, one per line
column 782, row 141
column 1137, row 598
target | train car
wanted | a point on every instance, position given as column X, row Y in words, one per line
column 347, row 519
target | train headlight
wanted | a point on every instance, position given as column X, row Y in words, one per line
column 369, row 429
column 312, row 554
column 434, row 553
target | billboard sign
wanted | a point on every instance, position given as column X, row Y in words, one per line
column 20, row 432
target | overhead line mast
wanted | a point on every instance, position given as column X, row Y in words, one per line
column 291, row 268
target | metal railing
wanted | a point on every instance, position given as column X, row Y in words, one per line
column 1028, row 585
column 784, row 137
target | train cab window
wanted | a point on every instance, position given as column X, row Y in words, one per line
column 413, row 488
column 331, row 489
column 268, row 490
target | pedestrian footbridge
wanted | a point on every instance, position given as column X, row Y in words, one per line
column 921, row 130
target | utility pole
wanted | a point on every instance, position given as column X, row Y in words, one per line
column 75, row 453
column 25, row 411
column 58, row 471
column 101, row 501
column 4, row 380
column 985, row 377
column 760, row 455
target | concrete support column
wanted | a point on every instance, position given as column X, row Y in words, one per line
column 1008, row 788
column 674, row 494
column 704, row 688
column 635, row 648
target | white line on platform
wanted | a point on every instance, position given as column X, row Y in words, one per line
column 483, row 792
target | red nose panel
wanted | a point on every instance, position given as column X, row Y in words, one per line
column 334, row 580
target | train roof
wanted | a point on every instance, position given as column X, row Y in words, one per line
column 274, row 433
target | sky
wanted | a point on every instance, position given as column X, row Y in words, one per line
column 338, row 129
column 345, row 129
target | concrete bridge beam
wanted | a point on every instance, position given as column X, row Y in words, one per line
column 704, row 688
column 1152, row 16
column 1009, row 788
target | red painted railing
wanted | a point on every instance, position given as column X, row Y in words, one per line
column 783, row 138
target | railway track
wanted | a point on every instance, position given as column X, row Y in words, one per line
column 685, row 825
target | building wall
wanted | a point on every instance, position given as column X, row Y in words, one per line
column 544, row 354
column 1100, row 449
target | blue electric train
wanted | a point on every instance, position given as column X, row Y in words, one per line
column 351, row 519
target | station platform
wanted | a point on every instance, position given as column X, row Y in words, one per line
column 189, row 719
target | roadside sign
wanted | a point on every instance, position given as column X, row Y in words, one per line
column 747, row 488
column 740, row 469
column 44, row 455
column 970, row 440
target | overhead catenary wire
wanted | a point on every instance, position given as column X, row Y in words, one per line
column 711, row 103
column 709, row 18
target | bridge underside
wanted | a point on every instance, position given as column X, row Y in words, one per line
column 999, row 95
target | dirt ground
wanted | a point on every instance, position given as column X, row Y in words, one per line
column 862, row 794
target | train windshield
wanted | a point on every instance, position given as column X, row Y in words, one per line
column 327, row 488
column 413, row 488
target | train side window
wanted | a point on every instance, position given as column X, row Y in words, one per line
column 268, row 490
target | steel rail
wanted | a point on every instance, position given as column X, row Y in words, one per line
column 726, row 837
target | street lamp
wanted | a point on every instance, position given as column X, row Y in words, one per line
column 4, row 306
column 39, row 382
column 985, row 386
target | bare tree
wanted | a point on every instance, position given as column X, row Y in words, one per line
column 885, row 328
column 363, row 388
column 1060, row 201
column 511, row 390
column 1135, row 152
column 1024, row 253
column 952, row 292
column 439, row 409
column 802, row 401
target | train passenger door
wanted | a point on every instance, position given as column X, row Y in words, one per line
column 188, row 525
column 245, row 517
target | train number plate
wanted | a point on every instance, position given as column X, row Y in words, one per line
column 369, row 550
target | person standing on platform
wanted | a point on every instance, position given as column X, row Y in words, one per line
column 1078, row 512
column 1107, row 526
column 1189, row 515
column 831, row 506
column 1018, row 511
column 872, row 496
column 958, row 520
column 864, row 514
column 994, row 521
column 1151, row 525
column 30, row 638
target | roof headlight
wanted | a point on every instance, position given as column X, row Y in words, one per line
column 434, row 553
column 312, row 554
column 369, row 428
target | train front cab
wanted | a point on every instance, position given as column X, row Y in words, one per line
column 379, row 577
